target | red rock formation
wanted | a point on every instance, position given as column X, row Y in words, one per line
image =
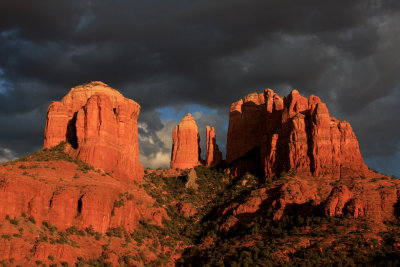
column 101, row 127
column 67, row 196
column 337, row 200
column 355, row 208
column 185, row 147
column 375, row 198
column 293, row 134
column 186, row 209
column 213, row 154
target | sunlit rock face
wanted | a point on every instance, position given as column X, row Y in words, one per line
column 100, row 125
column 213, row 154
column 291, row 134
column 185, row 144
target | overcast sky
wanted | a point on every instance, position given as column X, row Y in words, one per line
column 174, row 57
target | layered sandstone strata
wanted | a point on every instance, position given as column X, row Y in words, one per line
column 100, row 125
column 64, row 196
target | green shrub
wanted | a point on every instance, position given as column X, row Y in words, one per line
column 119, row 203
column 90, row 230
column 32, row 220
column 117, row 232
column 56, row 153
column 48, row 226
column 42, row 238
column 62, row 238
column 6, row 236
column 98, row 236
column 14, row 221
column 71, row 230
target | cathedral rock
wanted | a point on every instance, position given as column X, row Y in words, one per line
column 100, row 126
column 292, row 134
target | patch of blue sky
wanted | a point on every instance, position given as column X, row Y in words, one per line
column 172, row 113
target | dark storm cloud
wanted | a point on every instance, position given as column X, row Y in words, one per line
column 210, row 53
column 149, row 125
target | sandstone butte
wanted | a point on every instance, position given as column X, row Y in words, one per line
column 213, row 154
column 100, row 126
column 185, row 152
column 292, row 134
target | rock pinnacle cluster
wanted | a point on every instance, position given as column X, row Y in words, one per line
column 186, row 151
column 292, row 134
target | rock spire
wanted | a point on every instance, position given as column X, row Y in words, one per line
column 213, row 154
column 185, row 147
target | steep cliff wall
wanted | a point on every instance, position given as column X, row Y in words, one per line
column 291, row 134
column 101, row 127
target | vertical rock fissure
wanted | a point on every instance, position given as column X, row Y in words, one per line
column 51, row 200
column 310, row 145
column 79, row 208
column 71, row 137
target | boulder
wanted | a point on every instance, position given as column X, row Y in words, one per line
column 337, row 200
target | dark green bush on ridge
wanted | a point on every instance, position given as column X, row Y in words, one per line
column 56, row 153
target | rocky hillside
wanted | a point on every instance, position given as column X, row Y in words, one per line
column 220, row 221
column 294, row 190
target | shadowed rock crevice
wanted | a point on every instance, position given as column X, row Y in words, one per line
column 71, row 137
column 397, row 209
column 310, row 146
column 51, row 201
column 79, row 206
